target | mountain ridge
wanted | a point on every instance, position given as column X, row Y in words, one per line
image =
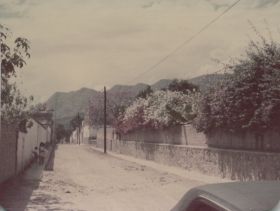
column 67, row 104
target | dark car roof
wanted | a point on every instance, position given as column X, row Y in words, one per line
column 255, row 196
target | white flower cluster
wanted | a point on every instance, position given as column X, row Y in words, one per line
column 161, row 109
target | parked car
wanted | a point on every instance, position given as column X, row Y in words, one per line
column 234, row 196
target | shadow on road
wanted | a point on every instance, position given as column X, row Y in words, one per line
column 22, row 192
column 15, row 194
column 48, row 202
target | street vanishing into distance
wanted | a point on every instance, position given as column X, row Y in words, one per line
column 151, row 105
column 86, row 179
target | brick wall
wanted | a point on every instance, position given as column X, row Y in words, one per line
column 8, row 151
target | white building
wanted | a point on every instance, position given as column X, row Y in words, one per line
column 87, row 133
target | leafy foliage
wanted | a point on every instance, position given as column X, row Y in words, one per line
column 96, row 110
column 145, row 93
column 40, row 107
column 114, row 108
column 13, row 104
column 77, row 121
column 60, row 132
column 183, row 86
column 249, row 96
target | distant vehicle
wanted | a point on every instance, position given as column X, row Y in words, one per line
column 234, row 196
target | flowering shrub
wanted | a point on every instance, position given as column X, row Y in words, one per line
column 249, row 97
column 160, row 109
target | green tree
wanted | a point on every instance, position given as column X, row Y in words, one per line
column 40, row 107
column 96, row 111
column 76, row 123
column 60, row 132
column 183, row 86
column 13, row 103
column 145, row 93
column 249, row 96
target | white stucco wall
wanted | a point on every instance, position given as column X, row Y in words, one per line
column 110, row 133
column 28, row 141
column 73, row 138
column 88, row 132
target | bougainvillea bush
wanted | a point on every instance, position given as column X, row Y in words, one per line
column 249, row 96
column 159, row 110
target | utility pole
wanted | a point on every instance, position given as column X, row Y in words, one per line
column 105, row 120
column 79, row 129
column 0, row 85
column 54, row 123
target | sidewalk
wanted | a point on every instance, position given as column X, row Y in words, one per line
column 170, row 169
column 16, row 193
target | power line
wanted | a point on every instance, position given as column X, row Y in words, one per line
column 186, row 41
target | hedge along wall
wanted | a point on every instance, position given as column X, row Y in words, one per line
column 230, row 164
column 8, row 151
column 269, row 141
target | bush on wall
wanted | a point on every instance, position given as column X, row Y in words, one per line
column 160, row 109
column 249, row 96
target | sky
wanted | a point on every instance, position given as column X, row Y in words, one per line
column 96, row 43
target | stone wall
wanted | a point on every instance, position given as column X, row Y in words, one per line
column 231, row 164
column 181, row 135
column 8, row 151
column 187, row 135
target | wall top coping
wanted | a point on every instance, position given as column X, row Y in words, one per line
column 206, row 148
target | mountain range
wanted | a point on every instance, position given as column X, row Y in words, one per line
column 68, row 104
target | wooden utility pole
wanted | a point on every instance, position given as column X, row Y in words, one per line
column 79, row 128
column 105, row 120
column 54, row 123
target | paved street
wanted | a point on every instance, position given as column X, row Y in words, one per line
column 85, row 179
